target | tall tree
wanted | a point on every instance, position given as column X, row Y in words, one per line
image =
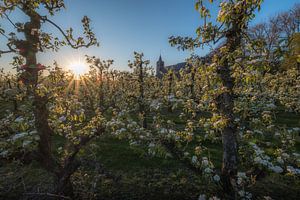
column 35, row 41
column 140, row 70
column 230, row 24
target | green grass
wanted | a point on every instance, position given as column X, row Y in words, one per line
column 278, row 187
column 118, row 155
column 288, row 119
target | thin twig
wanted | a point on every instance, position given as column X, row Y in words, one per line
column 14, row 25
column 11, row 50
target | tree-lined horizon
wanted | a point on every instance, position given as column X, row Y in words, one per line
column 224, row 126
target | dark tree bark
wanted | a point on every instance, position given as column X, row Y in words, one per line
column 45, row 156
column 29, row 48
column 225, row 105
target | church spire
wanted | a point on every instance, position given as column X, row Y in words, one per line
column 160, row 67
column 160, row 61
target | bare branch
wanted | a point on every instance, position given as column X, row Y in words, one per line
column 14, row 25
column 11, row 50
column 6, row 51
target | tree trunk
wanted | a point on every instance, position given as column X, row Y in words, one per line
column 225, row 105
column 30, row 78
column 63, row 182
column 28, row 49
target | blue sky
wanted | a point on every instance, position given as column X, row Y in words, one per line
column 124, row 26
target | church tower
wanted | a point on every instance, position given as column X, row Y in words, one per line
column 160, row 67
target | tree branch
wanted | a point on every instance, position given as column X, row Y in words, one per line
column 74, row 46
column 11, row 50
column 14, row 25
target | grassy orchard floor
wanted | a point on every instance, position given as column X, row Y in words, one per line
column 131, row 174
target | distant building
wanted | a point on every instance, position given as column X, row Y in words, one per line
column 161, row 69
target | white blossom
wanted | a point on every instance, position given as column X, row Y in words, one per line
column 277, row 134
column 293, row 170
column 257, row 159
column 241, row 174
column 216, row 178
column 4, row 153
column 122, row 130
column 205, row 162
column 19, row 135
column 271, row 106
column 297, row 129
column 280, row 160
column 25, row 143
column 62, row 119
column 186, row 153
column 133, row 143
column 276, row 169
column 36, row 137
column 202, row 197
column 151, row 145
column 239, row 181
column 19, row 119
column 208, row 170
column 155, row 104
column 296, row 154
column 163, row 131
column 34, row 132
column 214, row 198
column 194, row 159
column 285, row 155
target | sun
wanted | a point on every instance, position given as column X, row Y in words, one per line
column 78, row 68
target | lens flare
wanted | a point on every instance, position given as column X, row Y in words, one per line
column 79, row 68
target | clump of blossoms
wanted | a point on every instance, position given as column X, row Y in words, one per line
column 18, row 135
column 282, row 160
column 242, row 181
column 261, row 159
column 123, row 126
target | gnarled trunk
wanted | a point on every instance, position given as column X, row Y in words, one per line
column 29, row 48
